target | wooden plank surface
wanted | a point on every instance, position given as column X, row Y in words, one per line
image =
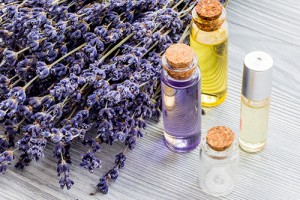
column 154, row 172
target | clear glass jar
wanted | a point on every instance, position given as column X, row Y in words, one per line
column 218, row 169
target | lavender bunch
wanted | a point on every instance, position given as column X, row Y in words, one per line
column 68, row 67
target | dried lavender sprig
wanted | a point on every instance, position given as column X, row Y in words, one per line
column 112, row 174
column 144, row 110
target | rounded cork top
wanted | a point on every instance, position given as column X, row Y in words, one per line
column 209, row 9
column 180, row 56
column 219, row 138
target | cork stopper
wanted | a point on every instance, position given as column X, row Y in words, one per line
column 219, row 138
column 209, row 9
column 180, row 58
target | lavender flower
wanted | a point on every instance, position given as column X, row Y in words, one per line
column 71, row 66
column 89, row 162
column 6, row 159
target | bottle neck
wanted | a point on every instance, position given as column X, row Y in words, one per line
column 207, row 24
column 219, row 155
column 183, row 77
column 175, row 83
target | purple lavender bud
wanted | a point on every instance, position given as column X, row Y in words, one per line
column 67, row 136
column 34, row 45
column 96, row 146
column 65, row 181
column 103, row 185
column 18, row 93
column 4, row 80
column 62, row 182
column 89, row 76
column 112, row 18
column 59, row 70
column 141, row 123
column 72, row 17
column 97, row 7
column 52, row 55
column 76, row 69
column 10, row 56
column 24, row 110
column 50, row 31
column 88, row 161
column 130, row 122
column 41, row 18
column 56, row 135
column 42, row 70
column 59, row 169
column 113, row 96
column 57, row 92
column 33, row 35
column 91, row 100
column 6, row 159
column 69, row 183
column 11, row 127
column 107, row 113
column 114, row 173
column 113, row 36
column 76, row 34
column 46, row 134
column 55, row 110
column 74, row 131
column 98, row 43
column 83, row 27
column 91, row 51
column 88, row 141
column 35, row 102
column 101, row 31
column 23, row 161
column 61, row 27
column 59, row 149
column 120, row 160
column 105, row 126
column 63, row 50
column 9, row 104
column 10, row 11
column 130, row 142
column 47, row 101
column 76, row 96
column 84, row 114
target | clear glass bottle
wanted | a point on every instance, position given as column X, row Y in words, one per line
column 181, row 106
column 255, row 101
column 218, row 168
column 209, row 39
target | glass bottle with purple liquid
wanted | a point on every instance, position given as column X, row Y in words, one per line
column 181, row 98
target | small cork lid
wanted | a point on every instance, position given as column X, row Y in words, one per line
column 219, row 138
column 180, row 58
column 209, row 9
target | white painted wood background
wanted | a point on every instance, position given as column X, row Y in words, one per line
column 153, row 172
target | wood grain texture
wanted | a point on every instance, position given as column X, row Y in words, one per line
column 153, row 172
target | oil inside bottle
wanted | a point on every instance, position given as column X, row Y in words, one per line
column 254, row 124
column 212, row 51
